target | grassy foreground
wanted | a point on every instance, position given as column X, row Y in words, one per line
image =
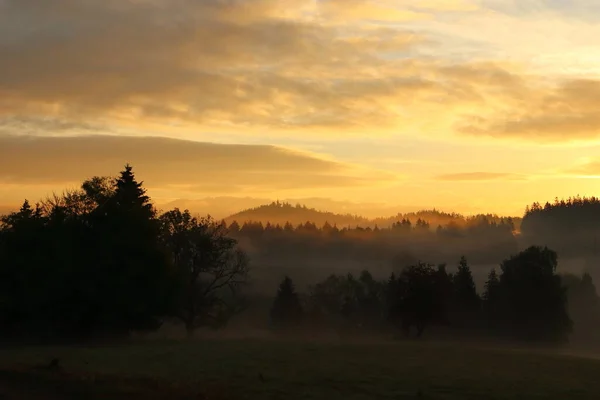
column 262, row 369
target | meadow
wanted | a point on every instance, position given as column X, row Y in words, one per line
column 295, row 369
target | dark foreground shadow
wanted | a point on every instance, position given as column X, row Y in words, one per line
column 38, row 384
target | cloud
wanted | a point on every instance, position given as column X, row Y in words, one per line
column 563, row 112
column 177, row 166
column 253, row 65
column 588, row 168
column 576, row 9
column 32, row 125
column 337, row 67
column 479, row 176
column 210, row 62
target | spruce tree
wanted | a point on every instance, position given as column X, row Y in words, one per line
column 465, row 292
column 287, row 310
column 491, row 294
column 130, row 198
column 534, row 300
column 131, row 270
column 492, row 301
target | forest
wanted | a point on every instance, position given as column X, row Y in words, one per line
column 412, row 238
column 101, row 261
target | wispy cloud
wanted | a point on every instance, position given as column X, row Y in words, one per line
column 210, row 63
column 479, row 176
column 587, row 168
column 564, row 112
column 336, row 67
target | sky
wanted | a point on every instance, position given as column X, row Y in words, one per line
column 372, row 105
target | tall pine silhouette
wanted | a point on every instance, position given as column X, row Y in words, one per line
column 492, row 299
column 464, row 288
column 131, row 269
column 465, row 302
column 286, row 311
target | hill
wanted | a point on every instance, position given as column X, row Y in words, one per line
column 570, row 226
column 283, row 212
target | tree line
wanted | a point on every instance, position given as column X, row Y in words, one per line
column 566, row 226
column 483, row 240
column 281, row 213
column 525, row 300
column 101, row 261
column 569, row 226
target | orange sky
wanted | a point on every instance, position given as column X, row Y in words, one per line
column 369, row 105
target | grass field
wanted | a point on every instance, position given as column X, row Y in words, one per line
column 229, row 369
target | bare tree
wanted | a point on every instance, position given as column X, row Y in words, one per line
column 211, row 268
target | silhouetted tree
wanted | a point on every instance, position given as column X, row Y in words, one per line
column 370, row 299
column 466, row 301
column 533, row 301
column 418, row 297
column 445, row 287
column 287, row 311
column 98, row 260
column 326, row 298
column 234, row 228
column 584, row 306
column 22, row 253
column 129, row 262
column 87, row 262
column 393, row 301
column 492, row 295
column 355, row 303
column 568, row 226
column 210, row 267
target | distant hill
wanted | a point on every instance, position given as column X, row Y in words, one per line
column 433, row 217
column 436, row 218
column 570, row 226
column 224, row 206
column 282, row 212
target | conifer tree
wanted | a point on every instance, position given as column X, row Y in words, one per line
column 465, row 292
column 287, row 310
column 491, row 294
column 131, row 268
